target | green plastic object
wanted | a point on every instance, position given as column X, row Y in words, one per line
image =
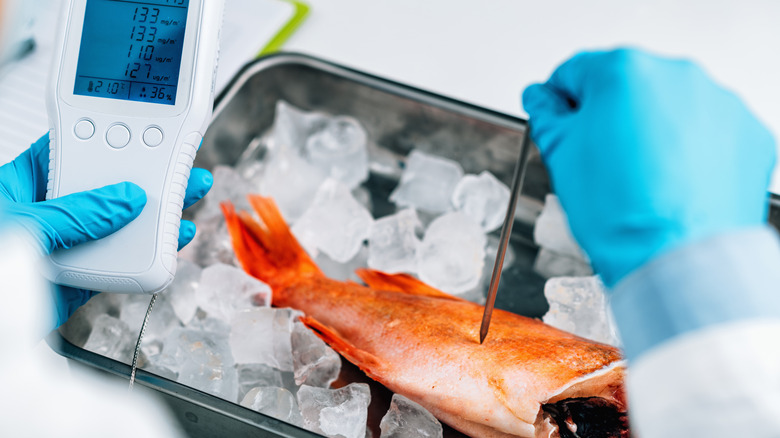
column 298, row 17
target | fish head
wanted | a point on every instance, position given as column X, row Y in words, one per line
column 582, row 417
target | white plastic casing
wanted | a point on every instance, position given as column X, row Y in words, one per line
column 141, row 257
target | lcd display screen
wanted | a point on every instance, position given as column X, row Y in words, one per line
column 132, row 50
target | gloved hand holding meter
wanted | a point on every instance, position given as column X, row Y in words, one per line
column 130, row 96
column 71, row 220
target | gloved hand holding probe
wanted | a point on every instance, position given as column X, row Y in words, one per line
column 648, row 154
column 77, row 218
column 664, row 174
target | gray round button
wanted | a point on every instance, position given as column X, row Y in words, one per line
column 84, row 129
column 118, row 136
column 153, row 136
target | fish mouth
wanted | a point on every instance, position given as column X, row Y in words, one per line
column 585, row 417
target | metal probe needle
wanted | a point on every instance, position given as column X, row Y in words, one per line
column 506, row 231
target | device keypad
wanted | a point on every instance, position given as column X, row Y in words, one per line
column 118, row 136
column 153, row 136
column 84, row 129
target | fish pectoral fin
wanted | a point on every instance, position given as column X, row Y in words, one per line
column 367, row 362
column 400, row 283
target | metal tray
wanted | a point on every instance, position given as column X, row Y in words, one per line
column 398, row 118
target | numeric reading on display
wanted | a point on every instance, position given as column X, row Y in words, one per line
column 132, row 50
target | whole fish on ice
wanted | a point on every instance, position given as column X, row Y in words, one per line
column 528, row 379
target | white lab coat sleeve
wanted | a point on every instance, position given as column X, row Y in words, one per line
column 40, row 396
column 718, row 382
column 701, row 329
column 726, row 278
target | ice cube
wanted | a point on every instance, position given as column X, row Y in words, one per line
column 304, row 150
column 385, row 162
column 252, row 167
column 254, row 375
column 211, row 244
column 205, row 323
column 483, row 198
column 339, row 412
column 228, row 186
column 552, row 230
column 292, row 126
column 203, row 361
column 426, row 219
column 275, row 402
column 262, row 335
column 335, row 223
column 452, row 254
column 182, row 293
column 343, row 271
column 339, row 148
column 427, row 183
column 315, row 363
column 579, row 305
column 479, row 293
column 78, row 327
column 161, row 321
column 111, row 337
column 491, row 252
column 151, row 348
column 160, row 363
column 393, row 242
column 291, row 181
column 549, row 263
column 407, row 419
column 225, row 290
column 528, row 209
column 100, row 304
column 363, row 196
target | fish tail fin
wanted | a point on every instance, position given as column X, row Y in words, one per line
column 404, row 283
column 367, row 362
column 267, row 249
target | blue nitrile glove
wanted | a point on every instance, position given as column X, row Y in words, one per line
column 79, row 217
column 647, row 154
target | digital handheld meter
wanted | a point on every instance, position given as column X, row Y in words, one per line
column 131, row 94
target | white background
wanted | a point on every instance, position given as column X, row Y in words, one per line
column 485, row 52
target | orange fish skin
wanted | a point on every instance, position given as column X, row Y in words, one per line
column 424, row 344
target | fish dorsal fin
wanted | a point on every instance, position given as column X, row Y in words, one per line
column 367, row 362
column 404, row 283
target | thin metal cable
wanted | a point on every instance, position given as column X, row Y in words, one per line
column 140, row 337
